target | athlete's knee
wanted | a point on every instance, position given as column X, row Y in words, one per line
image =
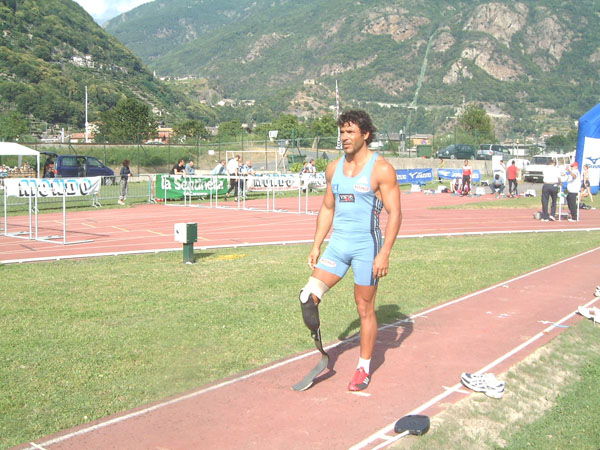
column 310, row 296
column 315, row 287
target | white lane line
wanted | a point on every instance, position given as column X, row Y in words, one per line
column 382, row 434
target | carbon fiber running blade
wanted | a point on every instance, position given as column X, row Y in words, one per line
column 308, row 380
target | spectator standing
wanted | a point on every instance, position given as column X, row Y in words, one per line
column 512, row 173
column 179, row 168
column 573, row 187
column 586, row 190
column 233, row 170
column 248, row 169
column 125, row 174
column 550, row 190
column 245, row 171
column 312, row 167
column 189, row 168
column 502, row 169
column 441, row 167
column 467, row 172
column 219, row 169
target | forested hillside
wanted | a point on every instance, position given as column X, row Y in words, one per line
column 527, row 61
column 51, row 49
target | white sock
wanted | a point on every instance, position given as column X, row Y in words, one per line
column 364, row 363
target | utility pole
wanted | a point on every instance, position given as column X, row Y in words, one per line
column 338, row 145
column 86, row 116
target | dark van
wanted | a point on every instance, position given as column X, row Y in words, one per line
column 79, row 166
column 457, row 151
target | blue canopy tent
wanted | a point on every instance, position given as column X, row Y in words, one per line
column 588, row 145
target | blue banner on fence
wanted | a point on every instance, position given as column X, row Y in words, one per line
column 414, row 176
column 450, row 174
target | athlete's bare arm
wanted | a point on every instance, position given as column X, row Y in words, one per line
column 386, row 188
column 325, row 217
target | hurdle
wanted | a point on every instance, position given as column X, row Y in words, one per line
column 34, row 188
column 211, row 190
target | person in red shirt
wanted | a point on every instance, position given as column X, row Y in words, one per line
column 511, row 174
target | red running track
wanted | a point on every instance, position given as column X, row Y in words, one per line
column 416, row 365
column 416, row 369
column 149, row 227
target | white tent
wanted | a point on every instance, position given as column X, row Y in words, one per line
column 12, row 148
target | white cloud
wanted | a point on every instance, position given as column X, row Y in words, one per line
column 128, row 5
column 102, row 10
column 94, row 7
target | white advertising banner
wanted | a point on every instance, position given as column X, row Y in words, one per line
column 285, row 182
column 52, row 187
column 591, row 156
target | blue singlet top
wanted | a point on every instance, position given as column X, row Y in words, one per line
column 356, row 206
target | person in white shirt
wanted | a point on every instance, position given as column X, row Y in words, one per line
column 233, row 170
column 573, row 185
column 550, row 190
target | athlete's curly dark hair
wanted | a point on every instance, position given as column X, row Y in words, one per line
column 360, row 118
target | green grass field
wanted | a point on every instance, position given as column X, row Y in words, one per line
column 84, row 339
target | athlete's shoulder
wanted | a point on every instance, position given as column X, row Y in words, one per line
column 383, row 168
column 331, row 166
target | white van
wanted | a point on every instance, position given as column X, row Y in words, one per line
column 534, row 171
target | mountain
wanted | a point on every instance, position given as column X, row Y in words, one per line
column 50, row 50
column 411, row 63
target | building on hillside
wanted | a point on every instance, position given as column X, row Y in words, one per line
column 77, row 138
column 226, row 102
column 86, row 61
column 165, row 134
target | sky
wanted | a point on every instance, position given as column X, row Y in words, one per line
column 103, row 10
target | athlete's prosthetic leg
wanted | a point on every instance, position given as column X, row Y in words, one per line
column 310, row 296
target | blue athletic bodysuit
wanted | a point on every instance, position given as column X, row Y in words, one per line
column 356, row 237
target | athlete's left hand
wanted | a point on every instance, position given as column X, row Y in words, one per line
column 380, row 265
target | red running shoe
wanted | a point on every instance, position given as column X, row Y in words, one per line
column 360, row 380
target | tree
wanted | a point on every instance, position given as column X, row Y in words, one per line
column 261, row 131
column 562, row 142
column 12, row 125
column 287, row 124
column 230, row 130
column 324, row 126
column 129, row 121
column 476, row 121
column 192, row 129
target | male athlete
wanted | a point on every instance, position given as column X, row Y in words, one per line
column 358, row 185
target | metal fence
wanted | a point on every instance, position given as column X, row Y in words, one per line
column 159, row 158
column 140, row 189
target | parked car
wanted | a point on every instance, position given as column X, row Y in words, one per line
column 486, row 151
column 79, row 166
column 457, row 151
column 534, row 171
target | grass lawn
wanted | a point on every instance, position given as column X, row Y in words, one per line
column 550, row 403
column 87, row 338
